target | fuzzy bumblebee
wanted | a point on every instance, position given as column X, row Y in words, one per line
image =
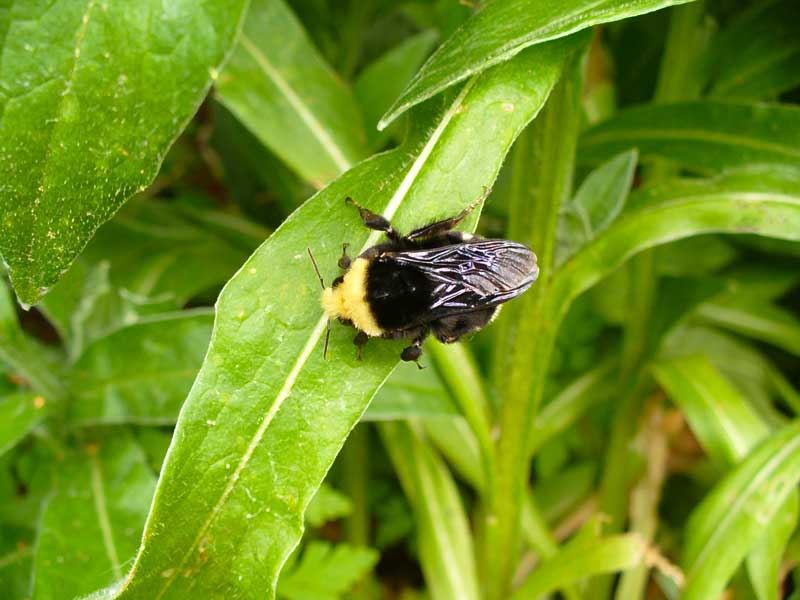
column 433, row 280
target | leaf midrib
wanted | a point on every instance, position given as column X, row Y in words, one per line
column 306, row 116
column 694, row 134
column 313, row 340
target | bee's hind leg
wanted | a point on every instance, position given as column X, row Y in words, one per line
column 413, row 352
column 444, row 226
column 375, row 222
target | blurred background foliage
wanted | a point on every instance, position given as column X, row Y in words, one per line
column 664, row 449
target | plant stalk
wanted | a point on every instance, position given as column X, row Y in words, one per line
column 529, row 353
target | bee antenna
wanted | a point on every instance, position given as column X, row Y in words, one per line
column 319, row 275
column 322, row 283
column 327, row 337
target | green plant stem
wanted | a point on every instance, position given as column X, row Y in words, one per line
column 522, row 386
column 355, row 475
column 457, row 370
column 675, row 81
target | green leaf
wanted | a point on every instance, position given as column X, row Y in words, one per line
column 267, row 415
column 759, row 320
column 756, row 55
column 445, row 542
column 140, row 373
column 151, row 258
column 19, row 414
column 81, row 128
column 731, row 518
column 760, row 200
column 582, row 559
column 279, row 86
column 502, row 29
column 410, row 393
column 596, row 204
column 704, row 136
column 92, row 523
column 15, row 566
column 328, row 504
column 24, row 355
column 570, row 404
column 326, row 572
column 728, row 428
column 382, row 80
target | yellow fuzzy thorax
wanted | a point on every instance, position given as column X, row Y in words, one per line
column 348, row 300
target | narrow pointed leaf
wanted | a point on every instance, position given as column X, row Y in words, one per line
column 92, row 523
column 82, row 126
column 446, row 550
column 731, row 519
column 705, row 136
column 585, row 559
column 267, row 415
column 728, row 429
column 760, row 200
column 279, row 86
column 596, row 204
column 502, row 29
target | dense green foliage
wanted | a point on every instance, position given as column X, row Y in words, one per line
column 628, row 428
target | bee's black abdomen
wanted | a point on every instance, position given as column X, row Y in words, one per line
column 399, row 296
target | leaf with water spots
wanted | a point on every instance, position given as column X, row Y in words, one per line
column 267, row 415
column 92, row 94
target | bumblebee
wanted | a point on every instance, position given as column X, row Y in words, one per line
column 433, row 280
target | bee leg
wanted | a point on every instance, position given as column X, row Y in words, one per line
column 344, row 262
column 445, row 225
column 412, row 353
column 375, row 222
column 360, row 341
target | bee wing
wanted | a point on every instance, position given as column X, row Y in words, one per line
column 473, row 275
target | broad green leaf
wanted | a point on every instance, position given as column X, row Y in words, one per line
column 382, row 80
column 85, row 118
column 410, row 393
column 267, row 415
column 92, row 523
column 762, row 321
column 19, row 414
column 762, row 200
column 326, row 572
column 328, row 504
column 278, row 85
column 140, row 373
column 704, row 136
column 445, row 543
column 756, row 55
column 582, row 559
column 596, row 204
column 502, row 29
column 731, row 518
